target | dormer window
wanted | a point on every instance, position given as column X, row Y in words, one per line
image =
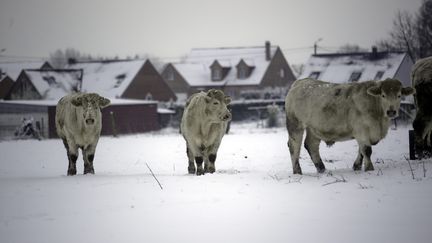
column 218, row 71
column 244, row 69
column 242, row 73
column 216, row 74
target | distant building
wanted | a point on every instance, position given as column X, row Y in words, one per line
column 5, row 85
column 241, row 72
column 117, row 118
column 128, row 79
column 359, row 67
column 51, row 84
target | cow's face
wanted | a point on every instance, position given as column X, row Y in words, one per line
column 91, row 104
column 390, row 92
column 217, row 103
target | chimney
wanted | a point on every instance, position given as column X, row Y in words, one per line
column 267, row 51
column 374, row 52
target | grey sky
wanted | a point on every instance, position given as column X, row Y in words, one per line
column 170, row 28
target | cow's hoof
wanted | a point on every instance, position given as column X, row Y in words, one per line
column 71, row 172
column 297, row 171
column 357, row 167
column 369, row 167
column 200, row 171
column 210, row 169
column 320, row 167
column 89, row 171
column 191, row 170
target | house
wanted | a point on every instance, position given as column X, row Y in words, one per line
column 51, row 84
column 359, row 67
column 5, row 85
column 116, row 118
column 128, row 79
column 241, row 72
column 363, row 66
column 9, row 72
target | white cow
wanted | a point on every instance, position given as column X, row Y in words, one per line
column 203, row 125
column 79, row 123
column 338, row 112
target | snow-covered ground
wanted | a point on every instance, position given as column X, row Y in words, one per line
column 253, row 196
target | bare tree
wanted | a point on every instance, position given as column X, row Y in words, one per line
column 351, row 48
column 60, row 58
column 424, row 29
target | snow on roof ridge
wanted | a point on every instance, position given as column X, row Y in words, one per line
column 228, row 48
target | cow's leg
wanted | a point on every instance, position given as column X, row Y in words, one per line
column 367, row 152
column 295, row 133
column 209, row 166
column 72, row 152
column 199, row 162
column 191, row 158
column 312, row 146
column 359, row 160
column 88, row 157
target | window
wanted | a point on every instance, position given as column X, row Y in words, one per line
column 282, row 73
column 314, row 75
column 355, row 76
column 379, row 75
column 169, row 75
column 216, row 74
column 242, row 73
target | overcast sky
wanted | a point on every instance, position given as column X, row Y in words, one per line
column 170, row 28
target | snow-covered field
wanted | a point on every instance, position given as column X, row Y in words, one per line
column 253, row 196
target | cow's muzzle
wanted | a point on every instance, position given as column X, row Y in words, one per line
column 226, row 117
column 90, row 121
column 391, row 113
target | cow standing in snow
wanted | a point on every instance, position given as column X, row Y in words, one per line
column 338, row 112
column 79, row 122
column 203, row 125
column 421, row 77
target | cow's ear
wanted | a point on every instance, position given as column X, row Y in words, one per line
column 77, row 101
column 227, row 100
column 407, row 91
column 374, row 91
column 103, row 102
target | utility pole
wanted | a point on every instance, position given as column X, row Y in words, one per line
column 316, row 45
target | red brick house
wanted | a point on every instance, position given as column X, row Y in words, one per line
column 128, row 79
column 242, row 72
column 5, row 85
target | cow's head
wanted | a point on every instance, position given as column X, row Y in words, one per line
column 91, row 104
column 390, row 92
column 216, row 107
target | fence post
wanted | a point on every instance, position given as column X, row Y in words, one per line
column 113, row 125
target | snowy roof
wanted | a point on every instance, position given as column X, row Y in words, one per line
column 338, row 68
column 13, row 69
column 54, row 84
column 196, row 67
column 108, row 78
column 54, row 102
